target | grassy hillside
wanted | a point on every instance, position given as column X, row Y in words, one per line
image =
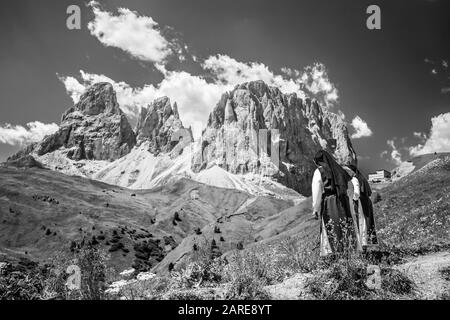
column 185, row 226
column 416, row 163
column 43, row 211
column 414, row 212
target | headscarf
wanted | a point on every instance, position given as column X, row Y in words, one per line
column 334, row 172
column 363, row 183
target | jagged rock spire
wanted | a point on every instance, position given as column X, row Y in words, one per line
column 157, row 123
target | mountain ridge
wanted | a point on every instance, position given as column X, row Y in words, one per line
column 95, row 136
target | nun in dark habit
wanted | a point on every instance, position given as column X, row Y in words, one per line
column 330, row 196
column 364, row 210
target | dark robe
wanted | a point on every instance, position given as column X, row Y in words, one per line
column 335, row 205
column 366, row 205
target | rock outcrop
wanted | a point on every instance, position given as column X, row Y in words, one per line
column 157, row 123
column 95, row 129
column 235, row 137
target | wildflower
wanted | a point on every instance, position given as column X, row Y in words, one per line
column 145, row 276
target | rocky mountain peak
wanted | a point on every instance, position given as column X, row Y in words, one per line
column 95, row 128
column 157, row 123
column 97, row 99
column 301, row 128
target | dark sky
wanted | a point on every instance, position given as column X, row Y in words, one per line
column 381, row 75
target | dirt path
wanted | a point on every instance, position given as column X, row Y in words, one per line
column 424, row 271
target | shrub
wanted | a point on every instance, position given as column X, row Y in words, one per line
column 22, row 281
column 92, row 264
column 297, row 255
column 176, row 216
column 247, row 273
column 246, row 288
column 445, row 273
column 116, row 246
column 203, row 267
column 344, row 277
column 396, row 282
column 377, row 198
column 215, row 251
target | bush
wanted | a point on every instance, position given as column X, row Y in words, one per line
column 246, row 287
column 93, row 270
column 176, row 216
column 344, row 277
column 377, row 198
column 445, row 273
column 22, row 281
column 396, row 282
column 247, row 273
column 204, row 265
column 297, row 255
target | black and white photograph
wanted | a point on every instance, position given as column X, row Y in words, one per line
column 251, row 151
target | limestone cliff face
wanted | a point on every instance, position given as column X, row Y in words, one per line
column 157, row 124
column 95, row 129
column 235, row 138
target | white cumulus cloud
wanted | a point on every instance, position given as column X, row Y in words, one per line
column 395, row 154
column 312, row 82
column 140, row 36
column 439, row 138
column 196, row 95
column 229, row 71
column 361, row 128
column 316, row 81
column 19, row 135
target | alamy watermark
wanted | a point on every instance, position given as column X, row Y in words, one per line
column 74, row 279
column 73, row 21
column 230, row 146
column 373, row 22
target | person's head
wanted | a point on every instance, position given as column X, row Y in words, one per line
column 323, row 158
column 333, row 171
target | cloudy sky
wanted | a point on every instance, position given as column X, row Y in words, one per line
column 392, row 85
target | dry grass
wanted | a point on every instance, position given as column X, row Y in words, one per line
column 92, row 263
column 413, row 215
column 345, row 278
